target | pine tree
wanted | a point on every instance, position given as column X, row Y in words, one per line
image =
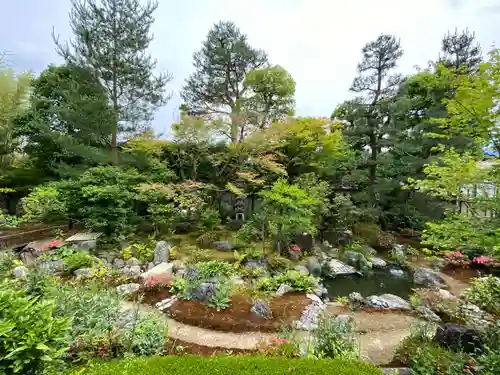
column 111, row 37
column 461, row 50
column 216, row 90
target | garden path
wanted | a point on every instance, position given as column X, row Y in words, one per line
column 207, row 337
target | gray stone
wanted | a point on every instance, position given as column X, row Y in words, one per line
column 314, row 297
column 355, row 259
column 428, row 314
column 83, row 273
column 444, row 294
column 474, row 316
column 396, row 272
column 321, row 292
column 302, row 269
column 191, row 274
column 313, row 266
column 310, row 316
column 458, row 337
column 204, row 292
column 283, row 289
column 256, row 263
column 131, row 271
column 150, row 266
column 261, row 308
column 387, row 301
column 356, row 299
column 398, row 251
column 428, row 278
column 20, row 272
column 127, row 289
column 237, row 280
column 397, row 371
column 378, row 262
column 132, row 262
column 162, row 253
column 335, row 267
column 370, row 251
column 223, row 245
column 166, row 303
column 118, row 263
column 53, row 266
column 344, row 319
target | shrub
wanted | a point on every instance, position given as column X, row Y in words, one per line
column 147, row 336
column 297, row 280
column 334, row 338
column 485, row 292
column 39, row 281
column 142, row 252
column 278, row 263
column 209, row 219
column 206, row 240
column 30, row 335
column 78, row 260
column 214, row 268
column 432, row 359
column 230, row 365
column 280, row 347
column 222, row 297
column 7, row 262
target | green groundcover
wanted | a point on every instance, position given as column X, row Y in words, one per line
column 227, row 365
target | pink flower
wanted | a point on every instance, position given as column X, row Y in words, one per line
column 482, row 260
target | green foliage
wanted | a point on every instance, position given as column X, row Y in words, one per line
column 148, row 334
column 234, row 365
column 31, row 336
column 39, row 282
column 7, row 262
column 209, row 219
column 142, row 252
column 430, row 358
column 334, row 338
column 207, row 239
column 179, row 285
column 213, row 268
column 277, row 263
column 222, row 297
column 78, row 260
column 46, row 203
column 295, row 279
column 485, row 293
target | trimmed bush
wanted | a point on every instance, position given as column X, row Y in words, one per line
column 229, row 365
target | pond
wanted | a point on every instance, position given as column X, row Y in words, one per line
column 375, row 282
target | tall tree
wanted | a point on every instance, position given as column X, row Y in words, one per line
column 69, row 124
column 461, row 50
column 368, row 119
column 112, row 37
column 216, row 90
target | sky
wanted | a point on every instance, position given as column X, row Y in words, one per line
column 317, row 41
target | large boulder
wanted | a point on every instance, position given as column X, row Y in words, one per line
column 162, row 253
column 133, row 271
column 283, row 289
column 205, row 292
column 83, row 273
column 427, row 314
column 357, row 260
column 127, row 289
column 387, row 301
column 428, row 278
column 458, row 337
column 118, row 263
column 160, row 273
column 53, row 266
column 313, row 266
column 132, row 262
column 378, row 262
column 334, row 268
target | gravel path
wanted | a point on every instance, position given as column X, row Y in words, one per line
column 206, row 337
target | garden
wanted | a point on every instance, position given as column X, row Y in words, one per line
column 252, row 241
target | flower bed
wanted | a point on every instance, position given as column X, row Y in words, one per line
column 238, row 317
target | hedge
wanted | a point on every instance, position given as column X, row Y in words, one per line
column 228, row 365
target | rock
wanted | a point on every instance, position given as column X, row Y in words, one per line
column 378, row 262
column 131, row 271
column 118, row 263
column 370, row 251
column 356, row 299
column 161, row 273
column 127, row 289
column 428, row 314
column 83, row 273
column 204, row 292
column 20, row 272
column 150, row 266
column 313, row 266
column 357, row 260
column 309, row 318
column 344, row 237
column 132, row 262
column 53, row 266
column 321, row 292
column 294, row 255
column 166, row 303
column 28, row 258
column 396, row 272
column 256, row 263
column 178, row 265
column 397, row 371
column 474, row 316
column 344, row 319
column 457, row 337
column 283, row 289
column 162, row 253
column 314, row 298
column 191, row 274
column 444, row 294
column 237, row 280
column 387, row 301
column 235, row 224
column 261, row 308
column 302, row 269
column 428, row 278
column 335, row 267
column 223, row 245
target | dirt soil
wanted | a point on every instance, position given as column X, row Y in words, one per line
column 238, row 317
